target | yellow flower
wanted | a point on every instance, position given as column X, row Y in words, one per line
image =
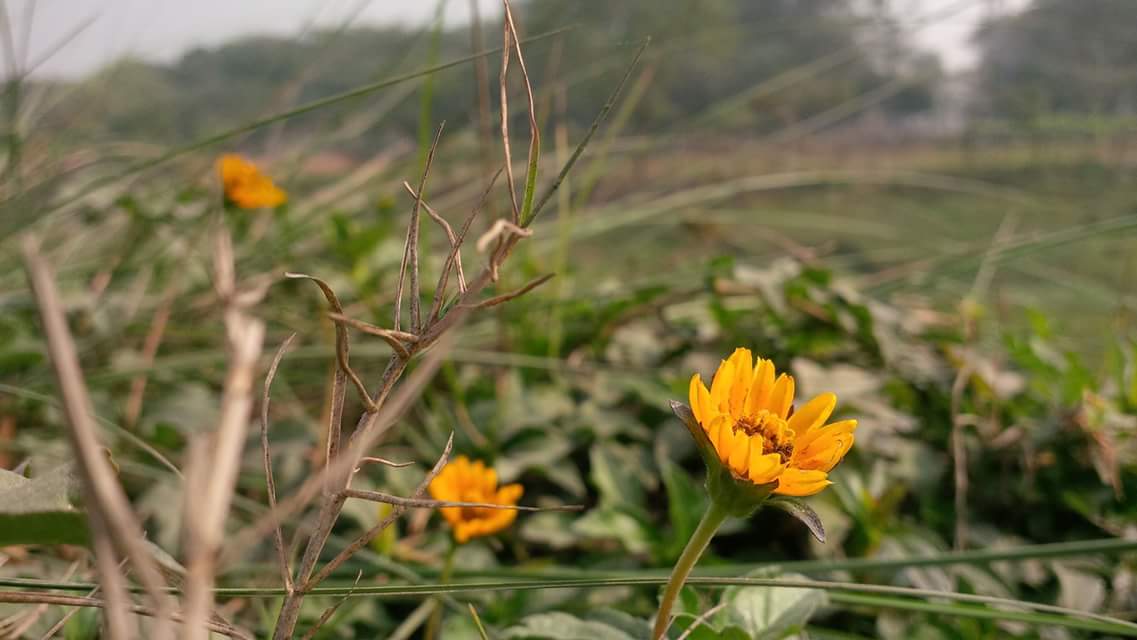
column 750, row 421
column 245, row 185
column 465, row 481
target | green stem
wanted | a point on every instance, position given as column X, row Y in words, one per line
column 710, row 523
column 435, row 621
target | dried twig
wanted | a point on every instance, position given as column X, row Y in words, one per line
column 455, row 248
column 14, row 626
column 411, row 253
column 454, row 255
column 385, row 462
column 393, row 338
column 343, row 350
column 503, row 81
column 423, row 503
column 506, row 297
column 270, row 481
column 113, row 523
column 37, row 597
column 534, row 129
column 217, row 458
column 500, row 227
column 362, row 540
column 330, row 611
column 369, row 430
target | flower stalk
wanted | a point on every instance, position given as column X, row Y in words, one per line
column 712, row 519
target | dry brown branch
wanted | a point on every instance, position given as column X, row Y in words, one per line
column 384, row 462
column 517, row 293
column 218, row 455
column 366, row 537
column 16, row 625
column 55, row 628
column 37, row 597
column 416, row 290
column 393, row 338
column 503, row 82
column 150, row 346
column 455, row 249
column 440, row 290
column 369, row 430
column 500, row 227
column 330, row 611
column 423, row 503
column 270, row 481
column 534, row 129
column 343, row 351
column 113, row 523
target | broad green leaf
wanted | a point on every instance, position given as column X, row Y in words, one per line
column 40, row 510
column 768, row 613
column 686, row 502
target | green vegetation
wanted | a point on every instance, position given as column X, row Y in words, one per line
column 967, row 297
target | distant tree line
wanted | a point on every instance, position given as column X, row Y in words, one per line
column 721, row 65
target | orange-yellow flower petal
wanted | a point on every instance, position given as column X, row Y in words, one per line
column 798, row 482
column 700, row 400
column 245, row 185
column 782, row 397
column 813, row 414
column 742, row 365
column 749, row 419
column 465, row 481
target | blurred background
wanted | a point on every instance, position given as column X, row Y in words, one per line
column 926, row 206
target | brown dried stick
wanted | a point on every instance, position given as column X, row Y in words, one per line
column 392, row 338
column 455, row 256
column 217, row 458
column 37, row 597
column 270, row 480
column 113, row 523
column 362, row 540
column 413, row 234
column 423, row 503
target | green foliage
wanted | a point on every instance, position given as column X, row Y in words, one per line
column 41, row 510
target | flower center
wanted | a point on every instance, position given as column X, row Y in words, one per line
column 776, row 437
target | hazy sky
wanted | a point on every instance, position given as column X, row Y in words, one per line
column 164, row 29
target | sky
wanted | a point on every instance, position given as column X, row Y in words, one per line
column 162, row 30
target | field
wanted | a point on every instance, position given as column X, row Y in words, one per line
column 265, row 391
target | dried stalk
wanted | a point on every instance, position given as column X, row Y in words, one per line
column 373, row 425
column 392, row 338
column 41, row 597
column 343, row 350
column 362, row 540
column 455, row 253
column 330, row 611
column 423, row 503
column 455, row 246
column 218, row 458
column 506, row 297
column 113, row 523
column 270, row 480
column 415, row 288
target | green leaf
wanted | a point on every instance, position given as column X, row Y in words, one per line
column 802, row 512
column 770, row 613
column 686, row 502
column 40, row 510
column 562, row 626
